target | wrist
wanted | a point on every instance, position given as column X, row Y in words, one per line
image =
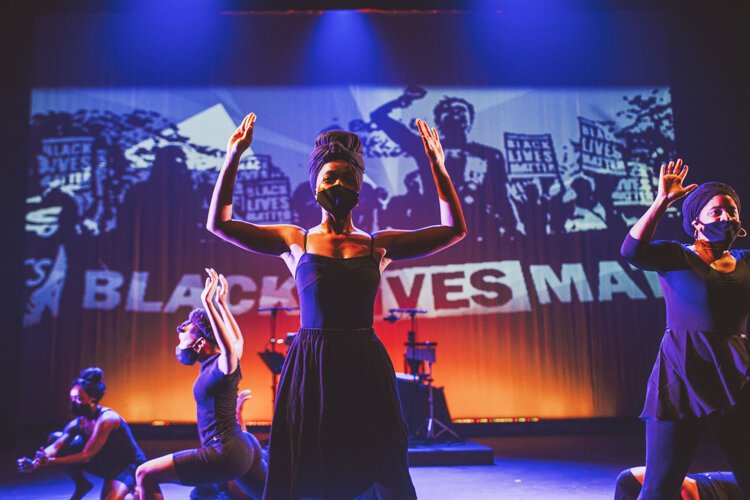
column 233, row 156
column 662, row 199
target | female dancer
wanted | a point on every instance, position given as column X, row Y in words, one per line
column 702, row 370
column 97, row 441
column 337, row 428
column 211, row 336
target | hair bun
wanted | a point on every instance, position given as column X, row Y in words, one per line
column 90, row 379
column 93, row 374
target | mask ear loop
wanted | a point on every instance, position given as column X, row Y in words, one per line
column 198, row 344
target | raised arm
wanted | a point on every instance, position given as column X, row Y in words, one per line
column 637, row 248
column 271, row 239
column 226, row 315
column 228, row 361
column 401, row 134
column 452, row 228
column 397, row 131
column 242, row 396
column 671, row 178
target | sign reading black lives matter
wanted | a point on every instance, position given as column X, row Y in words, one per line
column 263, row 191
column 530, row 156
column 600, row 152
column 65, row 161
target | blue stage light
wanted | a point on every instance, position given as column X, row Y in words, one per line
column 342, row 48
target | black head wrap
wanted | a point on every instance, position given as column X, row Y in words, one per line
column 336, row 145
column 698, row 198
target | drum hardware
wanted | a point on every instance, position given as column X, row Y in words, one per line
column 432, row 428
column 419, row 354
column 271, row 358
column 412, row 365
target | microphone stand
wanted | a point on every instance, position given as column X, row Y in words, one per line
column 274, row 310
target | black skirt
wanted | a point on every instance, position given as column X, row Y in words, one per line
column 337, row 426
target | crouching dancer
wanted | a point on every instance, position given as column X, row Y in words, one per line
column 97, row 441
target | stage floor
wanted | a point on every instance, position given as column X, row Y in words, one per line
column 530, row 467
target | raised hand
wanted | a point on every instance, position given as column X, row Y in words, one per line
column 223, row 290
column 241, row 398
column 671, row 179
column 212, row 283
column 431, row 142
column 242, row 137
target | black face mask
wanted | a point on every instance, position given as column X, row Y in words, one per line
column 81, row 410
column 338, row 201
column 722, row 232
column 186, row 356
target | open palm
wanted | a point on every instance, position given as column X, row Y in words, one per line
column 671, row 180
column 243, row 136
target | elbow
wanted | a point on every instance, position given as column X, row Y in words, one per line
column 215, row 226
column 459, row 233
column 629, row 249
column 625, row 252
column 629, row 255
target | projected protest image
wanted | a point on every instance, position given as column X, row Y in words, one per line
column 118, row 199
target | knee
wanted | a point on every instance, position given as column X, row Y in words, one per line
column 627, row 486
column 143, row 474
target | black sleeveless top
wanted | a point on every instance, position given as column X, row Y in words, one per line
column 337, row 293
column 119, row 450
column 216, row 400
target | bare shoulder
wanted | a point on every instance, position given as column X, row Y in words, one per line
column 109, row 418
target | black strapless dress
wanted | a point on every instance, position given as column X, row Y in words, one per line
column 337, row 426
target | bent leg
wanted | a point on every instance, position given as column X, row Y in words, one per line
column 83, row 485
column 670, row 447
column 75, row 472
column 628, row 486
column 254, row 480
column 149, row 475
column 114, row 490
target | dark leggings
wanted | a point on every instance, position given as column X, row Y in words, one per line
column 670, row 447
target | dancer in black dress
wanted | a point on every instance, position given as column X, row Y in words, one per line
column 337, row 428
column 211, row 336
column 97, row 441
column 702, row 372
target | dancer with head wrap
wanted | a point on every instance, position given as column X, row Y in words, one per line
column 212, row 337
column 702, row 371
column 97, row 441
column 337, row 427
